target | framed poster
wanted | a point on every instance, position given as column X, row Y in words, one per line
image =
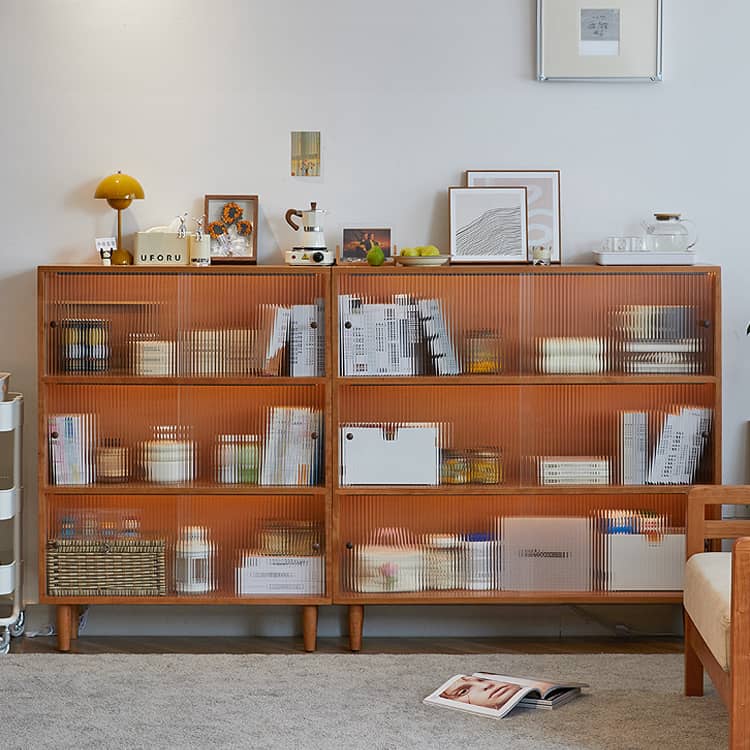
column 488, row 224
column 599, row 40
column 543, row 199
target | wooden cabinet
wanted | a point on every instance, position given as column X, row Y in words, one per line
column 184, row 438
column 561, row 414
column 360, row 435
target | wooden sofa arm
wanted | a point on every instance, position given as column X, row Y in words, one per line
column 700, row 529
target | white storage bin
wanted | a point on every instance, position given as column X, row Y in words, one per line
column 400, row 454
column 283, row 575
column 640, row 562
column 546, row 553
column 7, row 579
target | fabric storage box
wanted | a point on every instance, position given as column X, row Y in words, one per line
column 380, row 454
column 546, row 553
column 645, row 562
column 391, row 562
column 121, row 567
column 288, row 574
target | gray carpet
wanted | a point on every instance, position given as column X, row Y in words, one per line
column 342, row 701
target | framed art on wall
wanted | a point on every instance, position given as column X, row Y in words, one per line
column 232, row 223
column 488, row 224
column 543, row 201
column 599, row 40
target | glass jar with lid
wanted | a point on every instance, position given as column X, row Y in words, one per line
column 237, row 459
column 112, row 461
column 486, row 466
column 483, row 352
column 455, row 467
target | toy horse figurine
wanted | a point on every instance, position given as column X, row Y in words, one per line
column 182, row 229
column 198, row 228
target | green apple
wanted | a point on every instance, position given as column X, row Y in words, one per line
column 429, row 250
column 409, row 252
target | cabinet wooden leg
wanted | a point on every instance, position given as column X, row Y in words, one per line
column 356, row 619
column 74, row 615
column 63, row 626
column 309, row 627
column 693, row 666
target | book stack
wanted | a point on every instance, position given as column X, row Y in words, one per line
column 573, row 470
column 633, row 447
column 571, row 355
column 293, row 449
column 71, row 437
column 658, row 339
column 679, row 447
column 403, row 337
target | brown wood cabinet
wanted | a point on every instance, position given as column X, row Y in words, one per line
column 357, row 435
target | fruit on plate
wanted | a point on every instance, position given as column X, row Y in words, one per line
column 376, row 256
column 428, row 250
column 410, row 252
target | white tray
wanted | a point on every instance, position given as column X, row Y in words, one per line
column 644, row 259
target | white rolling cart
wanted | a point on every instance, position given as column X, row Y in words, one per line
column 11, row 490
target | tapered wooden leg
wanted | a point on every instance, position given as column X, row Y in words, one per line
column 356, row 619
column 309, row 627
column 63, row 627
column 74, row 615
column 693, row 666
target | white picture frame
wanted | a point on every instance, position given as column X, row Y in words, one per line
column 488, row 224
column 599, row 40
column 542, row 201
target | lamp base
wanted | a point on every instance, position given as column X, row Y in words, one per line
column 122, row 257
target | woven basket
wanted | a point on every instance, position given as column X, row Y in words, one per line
column 121, row 567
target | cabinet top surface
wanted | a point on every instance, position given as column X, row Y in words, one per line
column 363, row 268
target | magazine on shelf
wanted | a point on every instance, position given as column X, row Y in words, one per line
column 496, row 695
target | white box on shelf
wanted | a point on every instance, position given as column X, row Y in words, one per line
column 645, row 258
column 282, row 575
column 546, row 553
column 390, row 454
column 160, row 249
column 641, row 562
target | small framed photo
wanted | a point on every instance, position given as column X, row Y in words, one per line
column 357, row 242
column 543, row 201
column 305, row 153
column 231, row 221
column 488, row 224
column 599, row 40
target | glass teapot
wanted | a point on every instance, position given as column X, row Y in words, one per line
column 668, row 234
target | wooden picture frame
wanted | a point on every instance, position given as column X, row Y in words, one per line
column 488, row 224
column 354, row 240
column 543, row 201
column 605, row 40
column 225, row 218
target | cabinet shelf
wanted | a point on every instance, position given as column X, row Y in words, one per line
column 195, row 488
column 217, row 598
column 504, row 489
column 218, row 381
column 474, row 380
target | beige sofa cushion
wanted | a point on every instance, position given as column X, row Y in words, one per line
column 708, row 600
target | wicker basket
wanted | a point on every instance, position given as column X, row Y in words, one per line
column 121, row 567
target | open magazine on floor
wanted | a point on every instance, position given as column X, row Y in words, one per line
column 495, row 695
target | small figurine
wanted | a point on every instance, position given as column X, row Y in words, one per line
column 182, row 229
column 198, row 228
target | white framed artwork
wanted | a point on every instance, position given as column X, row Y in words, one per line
column 488, row 224
column 542, row 197
column 599, row 40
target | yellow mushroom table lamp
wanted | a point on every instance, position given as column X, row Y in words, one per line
column 119, row 190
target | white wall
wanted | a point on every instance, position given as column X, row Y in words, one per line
column 199, row 96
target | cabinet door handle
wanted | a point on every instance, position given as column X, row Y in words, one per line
column 349, row 545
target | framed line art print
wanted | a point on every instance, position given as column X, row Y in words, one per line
column 599, row 40
column 488, row 224
column 543, row 201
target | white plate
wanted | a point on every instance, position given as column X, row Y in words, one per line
column 426, row 260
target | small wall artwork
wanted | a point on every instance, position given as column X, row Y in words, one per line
column 305, row 153
column 358, row 242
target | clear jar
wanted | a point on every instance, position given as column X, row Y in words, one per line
column 455, row 467
column 237, row 459
column 170, row 456
column 112, row 461
column 486, row 466
column 483, row 353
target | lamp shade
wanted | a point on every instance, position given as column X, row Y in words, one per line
column 119, row 187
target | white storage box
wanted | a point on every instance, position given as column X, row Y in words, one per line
column 640, row 562
column 161, row 249
column 546, row 553
column 282, row 575
column 400, row 454
column 7, row 579
column 391, row 562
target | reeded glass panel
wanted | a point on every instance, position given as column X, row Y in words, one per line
column 219, row 546
column 405, row 323
column 525, row 435
column 195, row 435
column 160, row 324
column 634, row 323
column 464, row 543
